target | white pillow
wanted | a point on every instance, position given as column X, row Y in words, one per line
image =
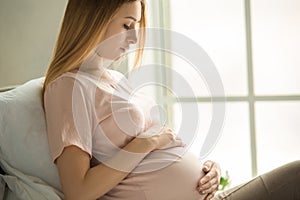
column 23, row 137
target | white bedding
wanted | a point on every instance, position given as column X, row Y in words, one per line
column 24, row 152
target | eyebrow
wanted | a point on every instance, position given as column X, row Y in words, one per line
column 130, row 17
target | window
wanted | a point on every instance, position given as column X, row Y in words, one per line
column 254, row 48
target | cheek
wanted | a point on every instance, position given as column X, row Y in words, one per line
column 110, row 47
column 113, row 29
column 113, row 40
column 114, row 37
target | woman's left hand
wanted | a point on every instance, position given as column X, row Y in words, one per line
column 209, row 183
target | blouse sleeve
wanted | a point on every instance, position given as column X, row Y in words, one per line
column 69, row 116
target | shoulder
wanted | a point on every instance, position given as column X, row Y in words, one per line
column 65, row 88
column 61, row 82
column 67, row 83
column 61, row 86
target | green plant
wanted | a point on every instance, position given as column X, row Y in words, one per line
column 224, row 181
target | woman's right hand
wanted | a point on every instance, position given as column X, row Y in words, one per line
column 162, row 137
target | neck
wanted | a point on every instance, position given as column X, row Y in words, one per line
column 96, row 65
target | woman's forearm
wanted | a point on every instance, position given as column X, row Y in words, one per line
column 97, row 181
column 117, row 168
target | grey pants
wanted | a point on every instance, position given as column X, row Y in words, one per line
column 282, row 183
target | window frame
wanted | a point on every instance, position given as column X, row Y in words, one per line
column 162, row 20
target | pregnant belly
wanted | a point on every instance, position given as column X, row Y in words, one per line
column 178, row 181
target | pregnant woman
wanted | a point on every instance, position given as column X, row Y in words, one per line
column 105, row 139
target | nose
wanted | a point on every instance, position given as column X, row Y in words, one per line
column 132, row 36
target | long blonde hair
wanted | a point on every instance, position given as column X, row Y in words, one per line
column 83, row 27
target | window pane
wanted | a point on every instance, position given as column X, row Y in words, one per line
column 234, row 144
column 276, row 46
column 278, row 137
column 187, row 74
column 218, row 27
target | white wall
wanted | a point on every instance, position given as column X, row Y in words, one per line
column 28, row 31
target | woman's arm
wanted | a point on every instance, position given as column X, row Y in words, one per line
column 79, row 181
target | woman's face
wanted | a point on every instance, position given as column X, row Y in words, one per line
column 121, row 31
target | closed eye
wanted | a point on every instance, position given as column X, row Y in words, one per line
column 126, row 27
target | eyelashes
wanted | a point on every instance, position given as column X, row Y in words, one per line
column 129, row 27
column 126, row 27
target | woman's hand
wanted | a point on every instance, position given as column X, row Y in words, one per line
column 162, row 137
column 209, row 183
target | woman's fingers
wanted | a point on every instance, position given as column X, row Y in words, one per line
column 164, row 136
column 176, row 142
column 209, row 186
column 210, row 182
column 209, row 179
column 210, row 196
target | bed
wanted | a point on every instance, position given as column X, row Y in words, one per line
column 27, row 171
